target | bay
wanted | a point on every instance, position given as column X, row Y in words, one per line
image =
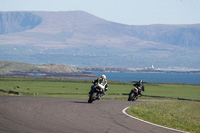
column 152, row 77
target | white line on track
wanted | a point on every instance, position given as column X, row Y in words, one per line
column 124, row 111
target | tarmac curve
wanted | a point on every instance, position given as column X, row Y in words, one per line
column 20, row 114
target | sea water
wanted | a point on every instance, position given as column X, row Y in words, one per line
column 152, row 77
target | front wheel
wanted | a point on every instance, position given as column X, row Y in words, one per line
column 92, row 97
column 132, row 97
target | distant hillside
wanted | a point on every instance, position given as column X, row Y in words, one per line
column 179, row 35
column 82, row 39
column 55, row 71
column 9, row 67
column 16, row 67
column 12, row 22
column 58, row 68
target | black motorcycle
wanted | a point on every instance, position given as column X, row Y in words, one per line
column 95, row 93
column 134, row 94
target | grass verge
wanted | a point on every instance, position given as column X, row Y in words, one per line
column 181, row 115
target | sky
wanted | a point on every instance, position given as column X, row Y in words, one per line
column 131, row 12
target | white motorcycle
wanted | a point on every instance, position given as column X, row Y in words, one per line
column 96, row 92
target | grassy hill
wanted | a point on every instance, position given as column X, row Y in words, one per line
column 9, row 67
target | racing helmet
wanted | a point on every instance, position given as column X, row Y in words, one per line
column 103, row 76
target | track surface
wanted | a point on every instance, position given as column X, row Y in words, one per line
column 61, row 115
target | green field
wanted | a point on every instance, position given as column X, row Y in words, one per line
column 164, row 109
column 66, row 88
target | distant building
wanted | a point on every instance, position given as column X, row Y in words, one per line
column 150, row 68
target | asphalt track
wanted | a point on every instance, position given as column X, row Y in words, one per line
column 62, row 115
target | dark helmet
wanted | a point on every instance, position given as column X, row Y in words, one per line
column 141, row 82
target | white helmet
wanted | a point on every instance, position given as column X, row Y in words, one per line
column 103, row 76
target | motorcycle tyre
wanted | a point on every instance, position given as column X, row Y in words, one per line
column 132, row 97
column 92, row 97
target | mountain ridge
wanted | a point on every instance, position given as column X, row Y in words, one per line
column 80, row 38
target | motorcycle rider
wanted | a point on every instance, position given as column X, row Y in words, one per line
column 140, row 87
column 102, row 80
